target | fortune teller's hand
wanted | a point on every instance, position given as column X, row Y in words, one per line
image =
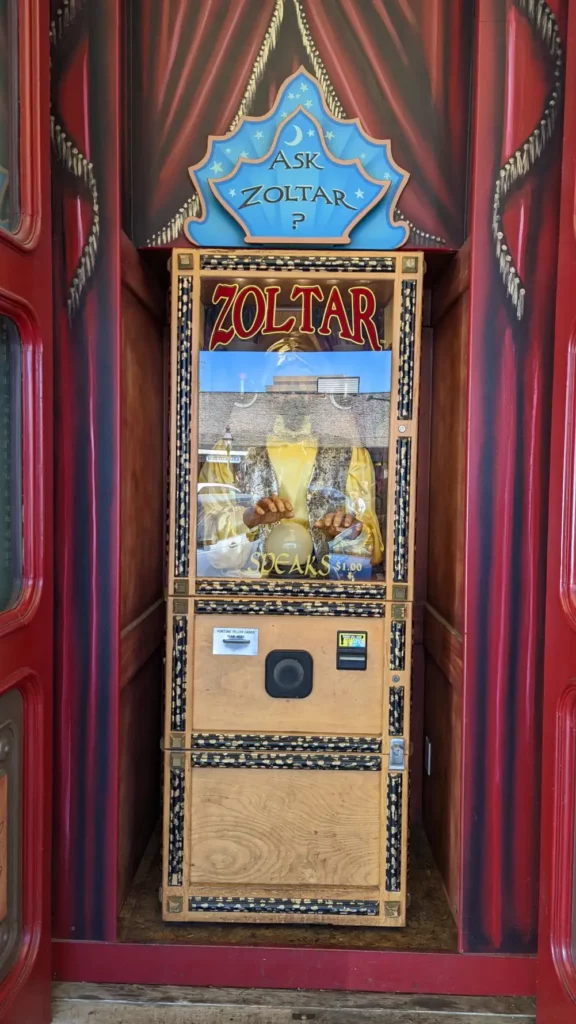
column 268, row 510
column 335, row 523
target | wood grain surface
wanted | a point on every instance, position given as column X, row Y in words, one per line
column 285, row 827
column 229, row 693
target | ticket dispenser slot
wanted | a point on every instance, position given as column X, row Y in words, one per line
column 352, row 651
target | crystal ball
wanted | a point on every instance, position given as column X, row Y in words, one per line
column 292, row 540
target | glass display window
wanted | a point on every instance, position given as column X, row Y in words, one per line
column 293, row 431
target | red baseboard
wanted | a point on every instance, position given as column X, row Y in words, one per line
column 280, row 967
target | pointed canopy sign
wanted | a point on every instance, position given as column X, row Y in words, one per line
column 298, row 176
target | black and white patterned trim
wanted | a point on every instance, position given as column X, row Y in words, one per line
column 246, row 741
column 287, row 761
column 355, row 609
column 407, row 350
column 179, row 666
column 397, row 646
column 394, row 834
column 313, row 263
column 176, row 823
column 271, row 905
column 291, row 588
column 396, row 711
column 402, row 509
column 183, row 421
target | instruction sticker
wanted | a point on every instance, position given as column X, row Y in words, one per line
column 235, row 641
column 354, row 640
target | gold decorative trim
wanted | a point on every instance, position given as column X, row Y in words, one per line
column 332, row 101
column 518, row 166
column 192, row 207
column 77, row 164
column 268, row 44
column 417, row 237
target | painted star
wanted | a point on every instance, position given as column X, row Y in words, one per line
column 228, row 150
column 244, row 153
column 329, row 135
column 359, row 193
column 291, row 95
column 216, row 167
column 259, row 135
column 308, row 103
column 311, row 133
column 387, row 176
column 303, row 87
column 231, row 191
column 362, row 156
column 284, row 113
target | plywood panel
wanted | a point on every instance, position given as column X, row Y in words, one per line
column 443, row 726
column 447, row 463
column 142, row 484
column 139, row 769
column 229, row 693
column 273, row 827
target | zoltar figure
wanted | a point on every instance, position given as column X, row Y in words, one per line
column 294, row 506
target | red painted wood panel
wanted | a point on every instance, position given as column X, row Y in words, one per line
column 557, row 948
column 26, row 631
column 515, row 178
column 277, row 967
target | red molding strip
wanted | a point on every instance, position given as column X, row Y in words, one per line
column 277, row 967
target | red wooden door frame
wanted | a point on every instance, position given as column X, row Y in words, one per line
column 26, row 630
column 557, row 930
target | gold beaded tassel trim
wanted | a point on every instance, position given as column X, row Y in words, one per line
column 191, row 208
column 518, row 166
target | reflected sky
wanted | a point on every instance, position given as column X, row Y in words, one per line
column 253, row 371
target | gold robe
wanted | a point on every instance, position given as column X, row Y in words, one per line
column 293, row 463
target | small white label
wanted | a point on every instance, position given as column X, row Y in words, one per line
column 235, row 641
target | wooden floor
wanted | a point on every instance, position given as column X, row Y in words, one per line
column 430, row 923
column 134, row 1004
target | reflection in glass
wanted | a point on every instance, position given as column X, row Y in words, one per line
column 10, row 464
column 9, row 201
column 293, row 454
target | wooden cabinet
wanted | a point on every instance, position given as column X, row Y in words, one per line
column 290, row 805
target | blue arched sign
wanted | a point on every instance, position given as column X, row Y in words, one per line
column 298, row 176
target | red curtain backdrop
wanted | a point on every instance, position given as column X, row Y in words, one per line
column 191, row 63
column 510, row 374
column 402, row 66
column 85, row 56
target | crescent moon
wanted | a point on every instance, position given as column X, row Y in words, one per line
column 297, row 138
